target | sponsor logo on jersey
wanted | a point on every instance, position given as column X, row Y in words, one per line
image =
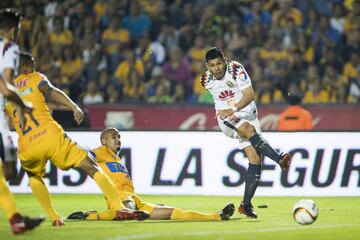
column 225, row 95
column 116, row 167
column 22, row 83
column 26, row 91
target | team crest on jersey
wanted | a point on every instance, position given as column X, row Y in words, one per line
column 230, row 84
column 227, row 94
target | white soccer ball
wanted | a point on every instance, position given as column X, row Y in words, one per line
column 305, row 211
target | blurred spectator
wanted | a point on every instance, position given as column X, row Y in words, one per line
column 136, row 22
column 273, row 51
column 211, row 24
column 88, row 28
column 167, row 36
column 332, row 80
column 258, row 14
column 133, row 86
column 178, row 70
column 114, row 40
column 285, row 12
column 352, row 44
column 100, row 9
column 162, row 95
column 151, row 85
column 31, row 24
column 71, row 65
column 60, row 37
column 337, row 21
column 179, row 95
column 92, row 95
column 151, row 6
column 352, row 19
column 151, row 53
column 197, row 52
column 186, row 36
column 316, row 94
column 324, row 36
column 352, row 68
column 355, row 88
column 130, row 63
column 295, row 117
column 113, row 95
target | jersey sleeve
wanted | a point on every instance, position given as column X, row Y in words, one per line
column 241, row 77
column 42, row 79
column 11, row 56
column 205, row 79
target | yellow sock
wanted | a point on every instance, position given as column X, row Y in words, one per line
column 179, row 214
column 7, row 201
column 109, row 190
column 41, row 192
column 105, row 215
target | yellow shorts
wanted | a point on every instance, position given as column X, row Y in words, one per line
column 59, row 149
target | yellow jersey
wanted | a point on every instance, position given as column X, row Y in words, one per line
column 42, row 127
column 114, row 168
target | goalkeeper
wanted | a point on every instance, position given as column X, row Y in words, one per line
column 115, row 169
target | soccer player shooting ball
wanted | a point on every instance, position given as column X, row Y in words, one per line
column 236, row 112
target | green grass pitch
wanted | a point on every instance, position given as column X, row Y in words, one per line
column 339, row 218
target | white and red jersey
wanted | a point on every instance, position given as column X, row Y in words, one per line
column 226, row 92
column 9, row 58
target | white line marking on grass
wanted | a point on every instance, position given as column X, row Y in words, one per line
column 228, row 232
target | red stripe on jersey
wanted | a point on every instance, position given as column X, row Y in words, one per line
column 6, row 47
column 204, row 78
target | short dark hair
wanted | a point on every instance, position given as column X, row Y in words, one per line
column 9, row 18
column 26, row 60
column 214, row 53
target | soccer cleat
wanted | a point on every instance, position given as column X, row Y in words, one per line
column 58, row 223
column 20, row 224
column 247, row 210
column 80, row 215
column 127, row 214
column 227, row 211
column 285, row 160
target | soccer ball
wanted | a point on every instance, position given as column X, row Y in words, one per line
column 305, row 211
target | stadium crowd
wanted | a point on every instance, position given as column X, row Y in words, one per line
column 152, row 51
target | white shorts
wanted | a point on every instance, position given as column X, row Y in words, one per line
column 8, row 151
column 228, row 127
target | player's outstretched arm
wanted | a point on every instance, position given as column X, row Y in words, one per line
column 56, row 95
column 10, row 93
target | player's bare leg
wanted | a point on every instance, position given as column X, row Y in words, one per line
column 42, row 194
column 110, row 192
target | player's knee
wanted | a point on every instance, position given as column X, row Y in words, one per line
column 246, row 130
